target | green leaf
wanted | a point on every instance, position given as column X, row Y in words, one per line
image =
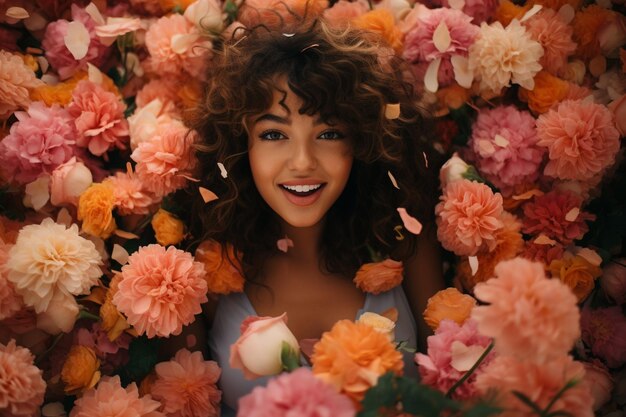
column 423, row 400
column 289, row 357
column 481, row 410
column 383, row 395
column 231, row 9
column 530, row 403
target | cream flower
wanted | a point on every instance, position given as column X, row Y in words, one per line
column 16, row 81
column 49, row 258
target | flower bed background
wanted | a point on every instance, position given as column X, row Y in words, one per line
column 529, row 98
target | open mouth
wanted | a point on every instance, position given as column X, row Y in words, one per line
column 302, row 190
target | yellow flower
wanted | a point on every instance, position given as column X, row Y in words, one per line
column 113, row 322
column 448, row 304
column 577, row 273
column 222, row 276
column 382, row 324
column 95, row 209
column 168, row 229
column 80, row 370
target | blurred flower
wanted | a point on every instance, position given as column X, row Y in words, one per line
column 205, row 14
column 479, row 10
column 382, row 324
column 95, row 209
column 555, row 36
column 221, row 275
column 612, row 34
column 342, row 12
column 612, row 281
column 548, row 92
column 16, row 82
column 351, row 357
column 452, row 170
column 507, row 11
column 61, row 314
column 501, row 56
column 257, row 351
column 23, row 388
column 542, row 253
column 588, row 24
column 377, row 277
column 81, row 370
column 10, row 301
column 468, row 217
column 186, row 386
column 161, row 290
column 150, row 7
column 556, row 4
column 598, row 378
column 147, row 121
column 577, row 273
column 448, row 304
column 99, row 118
column 618, row 108
column 540, row 383
column 50, row 259
column 168, row 229
column 110, row 399
column 521, row 314
column 113, row 322
column 298, row 393
column 41, row 140
column 112, row 354
column 68, row 181
column 452, row 351
column 610, row 86
column 604, row 331
column 557, row 215
column 381, row 22
column 280, row 14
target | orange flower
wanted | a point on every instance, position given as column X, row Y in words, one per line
column 61, row 93
column 351, row 357
column 95, row 209
column 379, row 277
column 169, row 5
column 448, row 304
column 453, row 96
column 381, row 21
column 549, row 90
column 587, row 24
column 507, row 11
column 280, row 14
column 222, row 276
column 168, row 229
column 80, row 370
column 575, row 272
column 556, row 4
column 113, row 322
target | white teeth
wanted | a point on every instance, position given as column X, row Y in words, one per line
column 302, row 188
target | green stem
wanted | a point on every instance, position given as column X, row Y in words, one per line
column 469, row 373
column 558, row 395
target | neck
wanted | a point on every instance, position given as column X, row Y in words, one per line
column 305, row 242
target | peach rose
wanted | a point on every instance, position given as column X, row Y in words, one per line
column 448, row 304
column 95, row 209
column 382, row 324
column 81, row 370
column 452, row 170
column 258, row 350
column 222, row 276
column 618, row 108
column 377, row 277
column 577, row 273
column 168, row 229
column 68, row 182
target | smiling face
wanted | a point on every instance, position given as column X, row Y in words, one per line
column 300, row 164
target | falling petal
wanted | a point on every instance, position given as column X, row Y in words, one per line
column 462, row 73
column 473, row 263
column 284, row 244
column 92, row 10
column 544, row 240
column 223, row 171
column 94, row 74
column 501, row 141
column 533, row 11
column 441, row 37
column 590, row 256
column 64, row 217
column 398, row 230
column 181, row 43
column 464, row 357
column 17, row 13
column 431, row 79
column 572, row 215
column 456, row 4
column 486, row 147
column 392, row 111
column 528, row 194
column 207, row 195
column 393, row 179
column 410, row 223
column 425, row 159
column 77, row 39
column 119, row 254
column 125, row 235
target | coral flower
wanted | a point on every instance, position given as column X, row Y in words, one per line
column 577, row 273
column 351, row 357
column 522, row 314
column 379, row 277
column 604, row 331
column 382, row 22
column 186, row 386
column 468, row 217
column 81, row 370
column 110, row 399
column 555, row 36
column 16, row 82
column 168, row 229
column 22, row 388
column 222, row 276
column 161, row 290
column 130, row 196
column 542, row 253
column 280, row 14
column 343, row 11
column 95, row 209
column 581, row 138
column 448, row 304
column 10, row 301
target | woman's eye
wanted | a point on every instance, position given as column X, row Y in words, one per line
column 271, row 135
column 332, row 135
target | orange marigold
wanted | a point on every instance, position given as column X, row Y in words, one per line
column 507, row 11
column 382, row 22
column 587, row 24
column 352, row 356
column 222, row 276
column 549, row 90
column 113, row 322
column 448, row 304
column 61, row 93
column 377, row 277
column 81, row 370
column 576, row 272
column 95, row 209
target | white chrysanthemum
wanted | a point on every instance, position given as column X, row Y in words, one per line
column 49, row 258
column 501, row 56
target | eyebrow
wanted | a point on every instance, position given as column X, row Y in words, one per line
column 282, row 120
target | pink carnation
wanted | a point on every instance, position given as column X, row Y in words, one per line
column 419, row 45
column 10, row 301
column 164, row 89
column 468, row 217
column 99, row 118
column 186, row 386
column 60, row 57
column 581, row 138
column 555, row 36
column 557, row 215
column 110, row 399
column 604, row 331
column 161, row 290
column 540, row 383
column 165, row 159
column 479, row 10
column 542, row 253
column 21, row 385
column 40, row 141
column 176, row 45
column 343, row 11
column 16, row 81
column 299, row 393
column 522, row 314
column 130, row 195
column 504, row 142
column 444, row 366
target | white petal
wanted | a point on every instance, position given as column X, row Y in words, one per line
column 95, row 14
column 77, row 40
column 223, row 171
column 533, row 11
column 431, row 81
column 572, row 215
column 181, row 43
column 441, row 37
column 462, row 74
column 17, row 13
column 501, row 141
column 456, row 4
column 119, row 254
column 473, row 263
column 464, row 357
column 567, row 13
column 94, row 74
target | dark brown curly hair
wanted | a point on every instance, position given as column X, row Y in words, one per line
column 346, row 75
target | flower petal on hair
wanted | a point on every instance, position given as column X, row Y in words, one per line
column 544, row 240
column 77, row 39
column 392, row 111
column 223, row 171
column 393, row 179
column 473, row 263
column 119, row 254
column 501, row 141
column 207, row 195
column 410, row 223
column 431, row 79
column 284, row 244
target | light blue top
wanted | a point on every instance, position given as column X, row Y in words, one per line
column 232, row 309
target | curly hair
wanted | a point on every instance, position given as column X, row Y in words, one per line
column 345, row 75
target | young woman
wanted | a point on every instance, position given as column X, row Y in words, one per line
column 304, row 126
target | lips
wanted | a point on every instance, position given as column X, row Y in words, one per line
column 302, row 194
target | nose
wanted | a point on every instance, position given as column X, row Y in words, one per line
column 302, row 156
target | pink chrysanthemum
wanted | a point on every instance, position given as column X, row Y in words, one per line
column 130, row 195
column 110, row 399
column 186, row 386
column 22, row 387
column 165, row 159
column 176, row 46
column 548, row 28
column 447, row 359
column 342, row 12
column 504, row 142
column 40, row 141
column 16, row 81
column 60, row 58
column 161, row 290
column 540, row 383
column 164, row 89
column 479, row 10
column 581, row 138
column 10, row 301
column 299, row 393
column 99, row 118
column 468, row 217
column 522, row 314
column 557, row 215
column 604, row 331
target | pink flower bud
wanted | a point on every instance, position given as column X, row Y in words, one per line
column 68, row 182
